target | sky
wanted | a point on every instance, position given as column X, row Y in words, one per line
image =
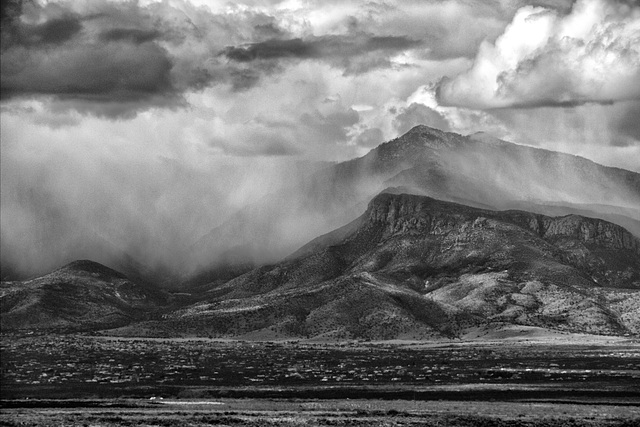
column 123, row 116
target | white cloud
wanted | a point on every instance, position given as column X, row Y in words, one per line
column 545, row 58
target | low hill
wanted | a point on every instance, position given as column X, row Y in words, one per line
column 82, row 295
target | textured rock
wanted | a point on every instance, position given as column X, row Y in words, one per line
column 403, row 213
column 589, row 230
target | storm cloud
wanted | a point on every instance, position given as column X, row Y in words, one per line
column 342, row 50
column 148, row 56
column 53, row 50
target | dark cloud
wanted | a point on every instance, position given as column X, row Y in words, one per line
column 272, row 49
column 333, row 47
column 115, row 59
column 101, row 73
column 56, row 30
column 132, row 35
column 100, row 54
column 10, row 10
column 115, row 73
column 244, row 78
column 419, row 114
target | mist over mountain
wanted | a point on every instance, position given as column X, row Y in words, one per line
column 476, row 170
column 309, row 200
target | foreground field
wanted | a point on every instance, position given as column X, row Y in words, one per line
column 65, row 366
column 107, row 381
column 298, row 412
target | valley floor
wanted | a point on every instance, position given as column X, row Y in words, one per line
column 489, row 378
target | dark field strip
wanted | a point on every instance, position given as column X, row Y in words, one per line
column 300, row 412
column 17, row 396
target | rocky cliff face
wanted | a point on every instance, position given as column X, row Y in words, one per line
column 587, row 230
column 404, row 213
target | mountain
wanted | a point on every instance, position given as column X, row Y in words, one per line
column 414, row 267
column 474, row 170
column 82, row 295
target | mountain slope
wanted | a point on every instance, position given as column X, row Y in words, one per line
column 83, row 295
column 475, row 171
column 413, row 266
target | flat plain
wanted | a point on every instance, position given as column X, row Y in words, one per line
column 103, row 381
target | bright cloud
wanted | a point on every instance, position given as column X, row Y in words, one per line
column 545, row 58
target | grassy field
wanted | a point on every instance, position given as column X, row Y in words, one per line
column 294, row 412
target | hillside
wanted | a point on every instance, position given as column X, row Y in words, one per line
column 83, row 295
column 415, row 267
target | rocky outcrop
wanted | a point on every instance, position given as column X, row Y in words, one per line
column 588, row 230
column 404, row 213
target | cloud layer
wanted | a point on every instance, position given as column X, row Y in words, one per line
column 149, row 55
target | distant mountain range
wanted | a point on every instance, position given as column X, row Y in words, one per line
column 457, row 233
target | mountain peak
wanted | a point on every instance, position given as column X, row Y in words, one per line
column 428, row 136
column 415, row 141
column 423, row 129
column 86, row 266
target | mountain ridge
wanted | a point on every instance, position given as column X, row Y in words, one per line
column 431, row 162
column 415, row 267
column 410, row 267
